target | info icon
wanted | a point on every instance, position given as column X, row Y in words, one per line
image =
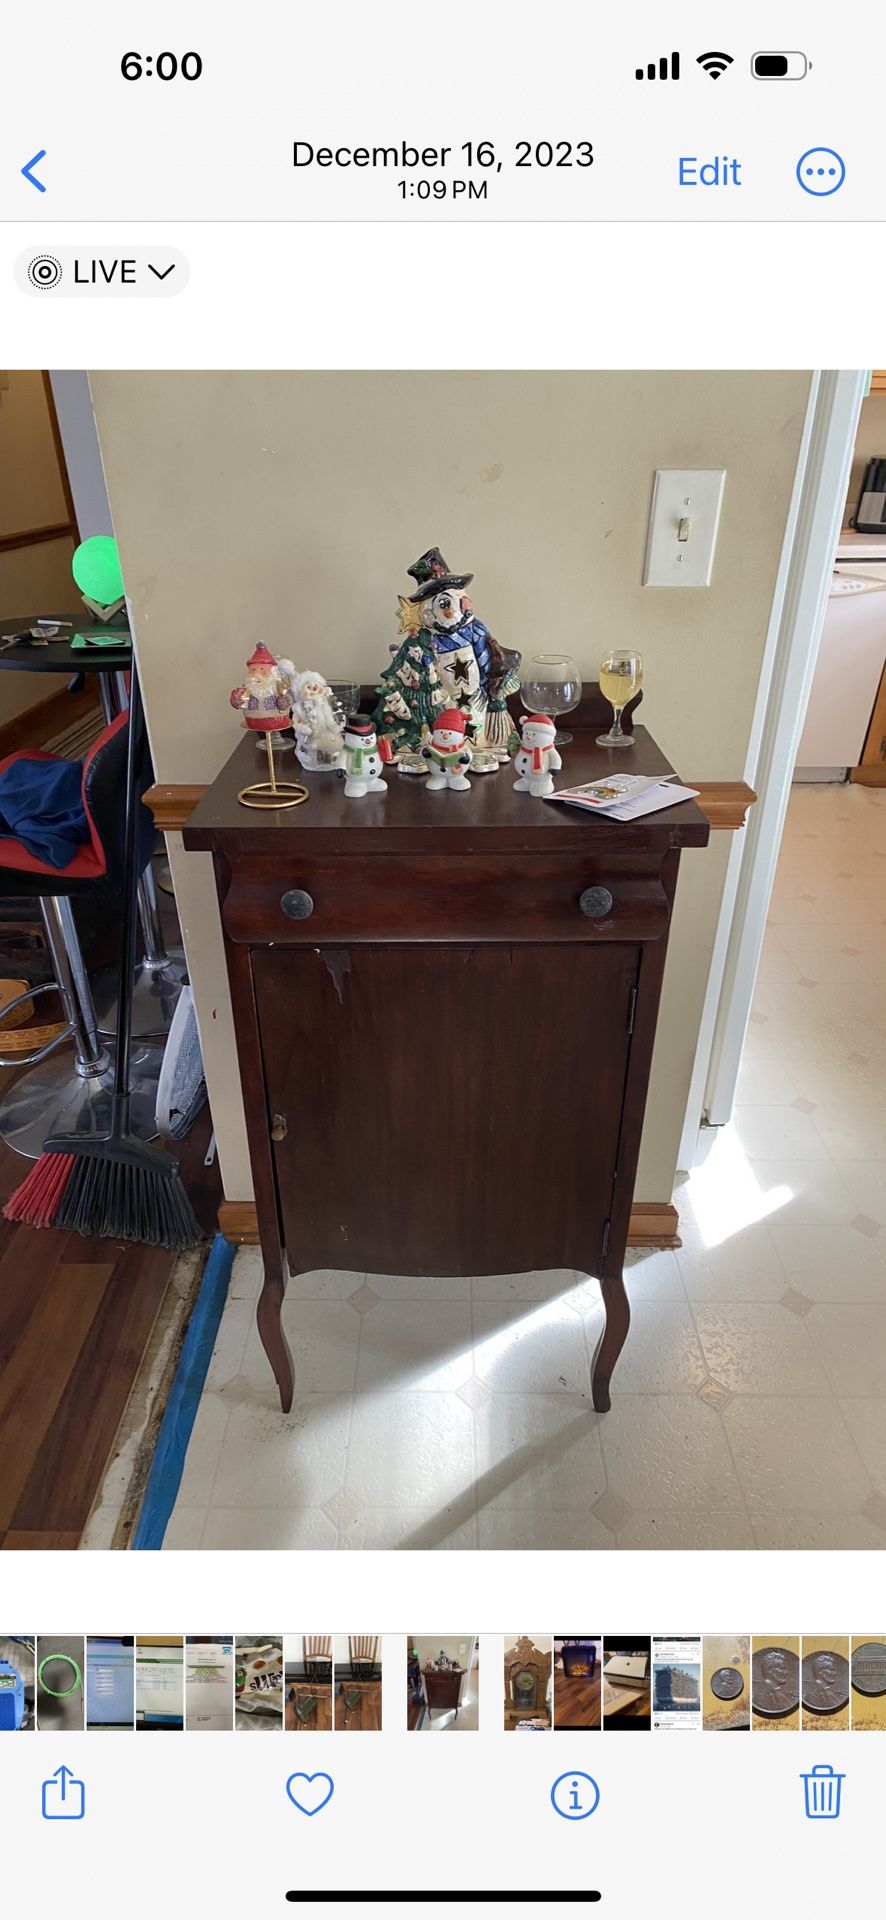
column 575, row 1796
column 44, row 272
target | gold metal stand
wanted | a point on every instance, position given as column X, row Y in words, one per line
column 268, row 795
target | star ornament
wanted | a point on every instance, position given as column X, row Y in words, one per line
column 409, row 614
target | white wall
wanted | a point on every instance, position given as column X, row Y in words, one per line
column 287, row 507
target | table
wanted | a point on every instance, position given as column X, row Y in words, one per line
column 58, row 656
column 445, row 1008
column 626, row 1703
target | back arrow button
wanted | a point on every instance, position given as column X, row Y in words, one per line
column 32, row 177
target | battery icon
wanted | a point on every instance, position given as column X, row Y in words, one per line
column 779, row 66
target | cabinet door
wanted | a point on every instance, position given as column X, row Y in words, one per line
column 445, row 1110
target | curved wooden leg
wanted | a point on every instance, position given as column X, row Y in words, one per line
column 273, row 1338
column 612, row 1339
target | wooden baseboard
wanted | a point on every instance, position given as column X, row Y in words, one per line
column 238, row 1223
column 872, row 775
column 653, row 1224
column 45, row 719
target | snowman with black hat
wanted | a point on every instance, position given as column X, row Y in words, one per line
column 476, row 674
column 363, row 762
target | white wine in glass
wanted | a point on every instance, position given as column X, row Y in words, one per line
column 621, row 677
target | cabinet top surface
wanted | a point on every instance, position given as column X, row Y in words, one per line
column 408, row 818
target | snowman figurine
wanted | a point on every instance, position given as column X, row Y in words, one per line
column 362, row 768
column 536, row 758
column 447, row 754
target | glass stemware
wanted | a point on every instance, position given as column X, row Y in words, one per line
column 621, row 677
column 551, row 683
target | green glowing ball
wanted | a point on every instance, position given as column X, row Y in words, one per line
column 96, row 568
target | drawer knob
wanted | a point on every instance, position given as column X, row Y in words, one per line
column 595, row 902
column 279, row 1127
column 296, row 904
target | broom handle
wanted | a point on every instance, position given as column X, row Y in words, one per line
column 130, row 905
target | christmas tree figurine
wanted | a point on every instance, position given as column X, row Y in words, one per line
column 410, row 695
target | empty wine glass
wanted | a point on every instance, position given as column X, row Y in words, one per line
column 621, row 677
column 551, row 683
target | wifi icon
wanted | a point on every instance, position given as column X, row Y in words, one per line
column 715, row 63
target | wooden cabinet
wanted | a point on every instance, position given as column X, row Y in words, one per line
column 445, row 1007
column 443, row 1687
column 878, row 380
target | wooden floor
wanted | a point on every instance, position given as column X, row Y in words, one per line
column 577, row 1699
column 75, row 1319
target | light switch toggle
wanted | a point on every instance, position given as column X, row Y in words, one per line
column 683, row 524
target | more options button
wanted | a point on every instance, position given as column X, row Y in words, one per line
column 103, row 273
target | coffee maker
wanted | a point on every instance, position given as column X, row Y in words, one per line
column 870, row 514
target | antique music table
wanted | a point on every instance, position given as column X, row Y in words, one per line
column 445, row 1007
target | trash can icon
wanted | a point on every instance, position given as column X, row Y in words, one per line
column 822, row 1788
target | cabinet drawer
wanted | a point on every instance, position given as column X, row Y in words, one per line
column 441, row 897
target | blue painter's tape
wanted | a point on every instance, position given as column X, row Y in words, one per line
column 168, row 1463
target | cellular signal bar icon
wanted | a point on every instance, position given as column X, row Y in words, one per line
column 660, row 70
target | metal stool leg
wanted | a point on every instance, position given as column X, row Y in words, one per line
column 74, row 1096
column 159, row 975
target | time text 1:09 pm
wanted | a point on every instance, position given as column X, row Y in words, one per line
column 472, row 154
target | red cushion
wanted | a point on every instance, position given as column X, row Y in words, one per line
column 84, row 866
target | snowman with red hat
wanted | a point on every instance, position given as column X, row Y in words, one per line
column 363, row 762
column 447, row 753
column 536, row 758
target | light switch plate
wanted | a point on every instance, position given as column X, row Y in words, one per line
column 688, row 504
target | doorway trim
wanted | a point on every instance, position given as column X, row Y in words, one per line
column 792, row 640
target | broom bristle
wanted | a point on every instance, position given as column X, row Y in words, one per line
column 121, row 1201
column 36, row 1200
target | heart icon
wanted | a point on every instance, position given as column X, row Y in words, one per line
column 310, row 1792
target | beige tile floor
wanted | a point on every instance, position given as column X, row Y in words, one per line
column 749, row 1407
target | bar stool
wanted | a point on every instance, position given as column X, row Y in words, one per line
column 74, row 1096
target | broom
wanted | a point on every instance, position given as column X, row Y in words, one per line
column 111, row 1184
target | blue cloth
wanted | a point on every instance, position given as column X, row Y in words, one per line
column 471, row 633
column 41, row 804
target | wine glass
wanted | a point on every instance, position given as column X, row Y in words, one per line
column 551, row 683
column 621, row 677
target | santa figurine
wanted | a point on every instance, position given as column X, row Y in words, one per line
column 536, row 758
column 318, row 734
column 447, row 754
column 265, row 695
column 363, row 762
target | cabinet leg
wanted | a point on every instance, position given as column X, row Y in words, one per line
column 612, row 1339
column 273, row 1338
